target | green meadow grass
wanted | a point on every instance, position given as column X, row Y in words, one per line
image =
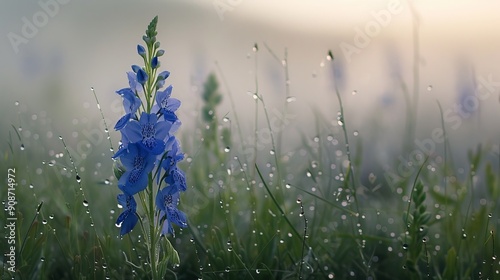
column 305, row 212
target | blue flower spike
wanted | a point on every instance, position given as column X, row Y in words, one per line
column 148, row 146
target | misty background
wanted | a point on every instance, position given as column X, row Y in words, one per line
column 88, row 44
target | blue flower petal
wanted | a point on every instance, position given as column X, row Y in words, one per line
column 134, row 131
column 122, row 122
column 129, row 222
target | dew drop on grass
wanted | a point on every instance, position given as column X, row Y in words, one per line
column 287, row 186
column 429, row 87
column 16, row 103
column 291, row 99
column 271, row 152
column 405, row 246
column 354, row 92
column 78, row 178
column 31, row 186
column 227, row 269
column 51, row 216
column 257, row 271
column 355, row 133
column 227, row 149
column 85, row 203
column 22, row 147
column 44, row 222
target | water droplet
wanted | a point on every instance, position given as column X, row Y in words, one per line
column 354, row 92
column 227, row 269
column 44, row 222
column 106, row 182
column 16, row 103
column 257, row 271
column 78, row 178
column 227, row 149
column 291, row 99
column 429, row 87
column 60, row 137
column 490, row 215
column 51, row 216
column 405, row 246
column 42, row 259
column 22, row 147
column 271, row 152
column 225, row 119
column 329, row 56
column 355, row 133
column 287, row 186
column 255, row 96
column 85, row 203
column 31, row 186
column 299, row 200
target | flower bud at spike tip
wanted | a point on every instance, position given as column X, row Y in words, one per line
column 141, row 51
column 160, row 53
column 155, row 63
column 157, row 45
column 135, row 68
column 163, row 75
column 142, row 77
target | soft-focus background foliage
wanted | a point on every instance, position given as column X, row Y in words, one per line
column 236, row 225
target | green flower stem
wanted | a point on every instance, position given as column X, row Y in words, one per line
column 152, row 231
